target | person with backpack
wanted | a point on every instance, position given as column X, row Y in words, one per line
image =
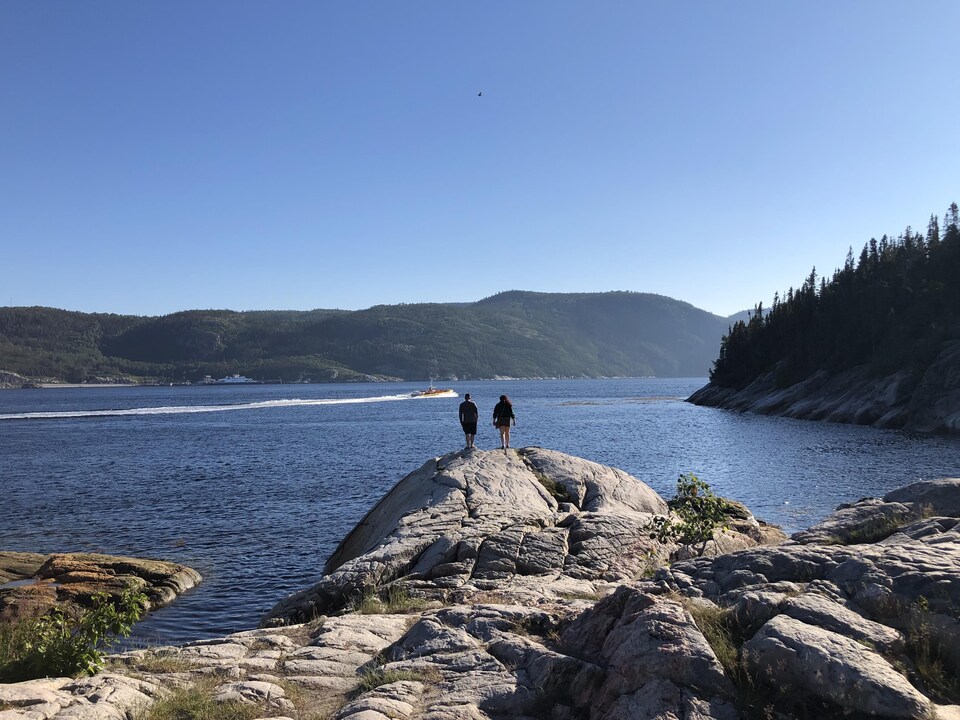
column 503, row 417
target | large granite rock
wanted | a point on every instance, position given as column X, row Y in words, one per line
column 530, row 525
column 36, row 583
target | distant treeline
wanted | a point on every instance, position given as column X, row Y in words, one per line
column 516, row 334
column 891, row 309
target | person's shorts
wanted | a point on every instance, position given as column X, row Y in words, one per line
column 503, row 424
column 469, row 428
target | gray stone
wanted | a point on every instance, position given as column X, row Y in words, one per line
column 936, row 497
column 864, row 522
column 594, row 487
column 816, row 610
column 795, row 658
column 254, row 692
column 653, row 656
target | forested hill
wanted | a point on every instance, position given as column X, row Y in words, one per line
column 513, row 334
column 877, row 343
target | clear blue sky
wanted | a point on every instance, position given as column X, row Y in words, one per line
column 160, row 156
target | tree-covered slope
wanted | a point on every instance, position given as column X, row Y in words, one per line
column 887, row 323
column 517, row 334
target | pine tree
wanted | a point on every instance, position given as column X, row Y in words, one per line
column 933, row 232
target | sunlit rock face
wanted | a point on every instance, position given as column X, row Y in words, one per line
column 527, row 524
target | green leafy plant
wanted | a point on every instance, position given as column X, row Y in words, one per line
column 698, row 513
column 59, row 645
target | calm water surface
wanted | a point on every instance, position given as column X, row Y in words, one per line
column 254, row 486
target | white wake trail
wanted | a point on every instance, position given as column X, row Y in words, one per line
column 187, row 409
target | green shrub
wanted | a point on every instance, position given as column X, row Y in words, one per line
column 58, row 645
column 699, row 512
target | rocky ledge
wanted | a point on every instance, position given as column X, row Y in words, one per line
column 31, row 583
column 921, row 399
column 469, row 593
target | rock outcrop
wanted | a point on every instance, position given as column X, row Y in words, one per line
column 13, row 380
column 529, row 525
column 38, row 582
column 925, row 399
column 857, row 617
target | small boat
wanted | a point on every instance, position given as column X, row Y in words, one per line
column 431, row 391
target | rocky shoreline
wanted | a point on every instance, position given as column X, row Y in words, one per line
column 526, row 585
column 32, row 583
column 920, row 399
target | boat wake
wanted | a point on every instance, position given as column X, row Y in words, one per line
column 188, row 409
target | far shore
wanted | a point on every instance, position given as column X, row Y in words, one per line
column 93, row 385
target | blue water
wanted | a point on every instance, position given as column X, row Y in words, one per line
column 254, row 486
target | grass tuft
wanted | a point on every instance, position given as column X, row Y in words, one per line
column 557, row 491
column 379, row 676
column 925, row 646
column 198, row 702
column 717, row 627
column 393, row 601
column 155, row 663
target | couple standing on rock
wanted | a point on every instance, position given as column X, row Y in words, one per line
column 503, row 417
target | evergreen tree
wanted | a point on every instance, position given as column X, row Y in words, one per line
column 892, row 310
column 933, row 232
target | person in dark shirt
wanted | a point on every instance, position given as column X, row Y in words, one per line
column 469, row 414
column 503, row 417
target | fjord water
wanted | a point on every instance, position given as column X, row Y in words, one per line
column 255, row 485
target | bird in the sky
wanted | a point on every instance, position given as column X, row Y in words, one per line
column 479, row 93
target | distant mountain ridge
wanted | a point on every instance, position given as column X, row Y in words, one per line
column 512, row 334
